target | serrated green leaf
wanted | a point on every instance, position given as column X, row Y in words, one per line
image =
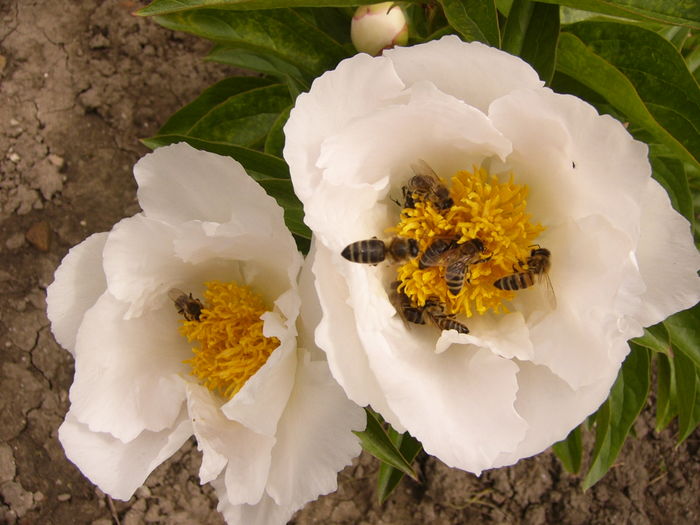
column 655, row 338
column 640, row 74
column 684, row 331
column 682, row 12
column 389, row 477
column 570, row 451
column 280, row 33
column 616, row 416
column 670, row 173
column 161, row 7
column 666, row 404
column 474, row 20
column 532, row 32
column 275, row 139
column 376, row 441
column 266, row 64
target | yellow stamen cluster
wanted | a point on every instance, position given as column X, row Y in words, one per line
column 232, row 346
column 484, row 208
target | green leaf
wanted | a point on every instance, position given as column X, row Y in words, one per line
column 615, row 417
column 474, row 20
column 280, row 33
column 532, row 32
column 670, row 173
column 238, row 110
column 376, row 441
column 655, row 338
column 681, row 12
column 256, row 61
column 389, row 477
column 666, row 404
column 258, row 165
column 275, row 139
column 687, row 395
column 161, row 7
column 684, row 330
column 639, row 73
column 570, row 451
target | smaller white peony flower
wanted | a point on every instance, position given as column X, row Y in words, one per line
column 273, row 427
column 377, row 27
column 524, row 166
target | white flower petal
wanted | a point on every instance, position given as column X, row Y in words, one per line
column 668, row 260
column 265, row 512
column 78, row 283
column 346, row 356
column 178, row 183
column 367, row 83
column 442, row 130
column 139, row 262
column 458, row 403
column 314, row 438
column 471, row 71
column 116, row 467
column 246, row 453
column 570, row 132
column 552, row 408
column 263, row 398
column 127, row 372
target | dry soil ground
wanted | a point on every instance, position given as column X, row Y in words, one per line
column 80, row 82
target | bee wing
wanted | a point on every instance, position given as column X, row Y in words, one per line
column 175, row 294
column 420, row 167
column 548, row 289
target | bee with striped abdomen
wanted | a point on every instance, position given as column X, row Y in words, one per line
column 426, row 185
column 374, row 251
column 538, row 264
column 403, row 305
column 456, row 258
column 435, row 312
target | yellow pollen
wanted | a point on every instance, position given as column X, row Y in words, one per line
column 232, row 346
column 484, row 208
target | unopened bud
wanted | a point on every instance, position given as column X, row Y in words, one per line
column 377, row 27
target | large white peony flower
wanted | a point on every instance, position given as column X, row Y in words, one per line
column 525, row 167
column 272, row 425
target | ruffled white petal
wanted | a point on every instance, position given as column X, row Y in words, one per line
column 128, row 372
column 178, row 183
column 265, row 512
column 227, row 444
column 607, row 181
column 668, row 259
column 314, row 438
column 347, row 357
column 263, row 398
column 116, row 467
column 359, row 86
column 78, row 283
column 473, row 72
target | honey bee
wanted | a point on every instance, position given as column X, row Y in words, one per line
column 538, row 265
column 187, row 306
column 455, row 257
column 374, row 251
column 404, row 307
column 435, row 312
column 426, row 185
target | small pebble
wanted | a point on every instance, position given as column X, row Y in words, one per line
column 63, row 497
column 14, row 157
column 39, row 236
